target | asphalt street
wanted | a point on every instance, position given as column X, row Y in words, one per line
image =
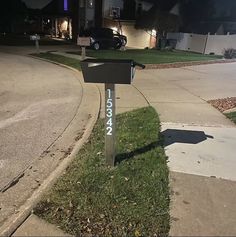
column 37, row 102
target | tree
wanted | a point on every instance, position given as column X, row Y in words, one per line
column 12, row 12
column 157, row 19
column 193, row 11
column 128, row 12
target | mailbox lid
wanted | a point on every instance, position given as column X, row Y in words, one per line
column 94, row 60
column 34, row 37
column 115, row 71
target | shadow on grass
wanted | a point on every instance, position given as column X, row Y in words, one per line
column 128, row 155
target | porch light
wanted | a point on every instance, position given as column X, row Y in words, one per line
column 154, row 32
column 114, row 28
column 64, row 24
column 90, row 3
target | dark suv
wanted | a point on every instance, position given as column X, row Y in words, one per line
column 104, row 38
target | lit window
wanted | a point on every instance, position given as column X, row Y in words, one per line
column 65, row 5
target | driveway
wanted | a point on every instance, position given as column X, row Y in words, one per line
column 200, row 144
column 180, row 94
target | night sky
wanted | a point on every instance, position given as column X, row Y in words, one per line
column 220, row 5
column 36, row 3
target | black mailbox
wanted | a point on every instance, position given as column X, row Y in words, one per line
column 114, row 71
column 109, row 72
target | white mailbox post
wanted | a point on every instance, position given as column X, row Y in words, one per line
column 83, row 42
column 35, row 38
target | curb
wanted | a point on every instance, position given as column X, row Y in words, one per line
column 15, row 220
column 186, row 64
column 53, row 62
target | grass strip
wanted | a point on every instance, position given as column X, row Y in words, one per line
column 232, row 116
column 131, row 199
column 71, row 62
column 149, row 56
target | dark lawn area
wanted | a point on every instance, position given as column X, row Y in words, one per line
column 24, row 40
column 132, row 199
column 150, row 56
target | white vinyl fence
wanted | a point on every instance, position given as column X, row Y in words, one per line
column 205, row 44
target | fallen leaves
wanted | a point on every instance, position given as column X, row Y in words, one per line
column 224, row 104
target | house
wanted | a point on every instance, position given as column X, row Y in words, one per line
column 129, row 11
column 65, row 18
column 62, row 18
column 57, row 18
column 120, row 16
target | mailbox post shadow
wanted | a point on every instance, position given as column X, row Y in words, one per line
column 172, row 136
column 128, row 155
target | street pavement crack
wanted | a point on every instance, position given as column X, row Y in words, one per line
column 12, row 183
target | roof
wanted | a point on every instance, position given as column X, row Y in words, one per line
column 55, row 8
column 36, row 4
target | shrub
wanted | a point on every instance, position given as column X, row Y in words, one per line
column 230, row 53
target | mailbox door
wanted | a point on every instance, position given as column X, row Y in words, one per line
column 107, row 71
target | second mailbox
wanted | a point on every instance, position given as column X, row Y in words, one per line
column 114, row 71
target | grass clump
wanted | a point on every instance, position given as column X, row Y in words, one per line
column 232, row 116
column 131, row 199
column 230, row 53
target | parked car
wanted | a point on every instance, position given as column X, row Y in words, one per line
column 104, row 38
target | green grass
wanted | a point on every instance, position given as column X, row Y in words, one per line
column 131, row 199
column 232, row 116
column 150, row 56
column 141, row 56
column 60, row 59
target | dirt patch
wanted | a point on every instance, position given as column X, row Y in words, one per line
column 224, row 104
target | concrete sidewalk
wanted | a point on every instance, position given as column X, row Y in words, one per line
column 34, row 226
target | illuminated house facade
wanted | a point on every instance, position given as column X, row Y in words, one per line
column 64, row 18
column 57, row 18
